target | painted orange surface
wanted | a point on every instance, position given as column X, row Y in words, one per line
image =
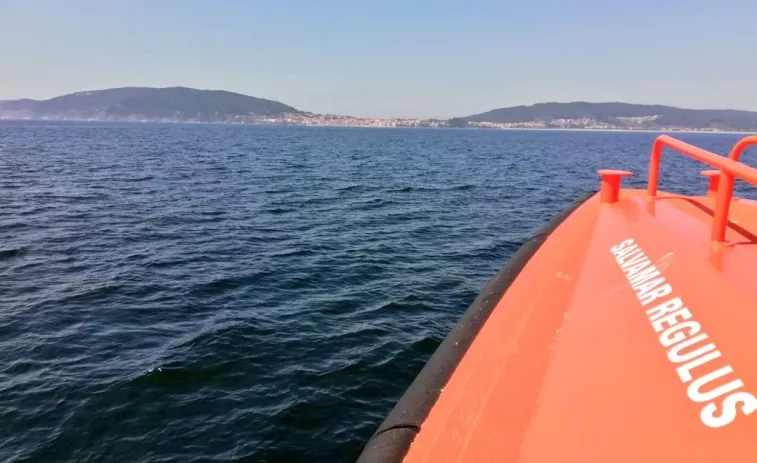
column 586, row 359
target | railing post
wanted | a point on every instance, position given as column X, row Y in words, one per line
column 722, row 205
column 712, row 186
column 715, row 255
column 654, row 167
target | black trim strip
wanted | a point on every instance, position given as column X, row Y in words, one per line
column 393, row 437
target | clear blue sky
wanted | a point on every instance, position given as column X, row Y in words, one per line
column 428, row 58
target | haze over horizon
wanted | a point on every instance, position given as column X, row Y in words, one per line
column 427, row 59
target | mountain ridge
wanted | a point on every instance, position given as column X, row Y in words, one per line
column 613, row 115
column 183, row 104
column 147, row 103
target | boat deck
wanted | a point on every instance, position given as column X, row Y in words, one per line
column 570, row 365
column 623, row 332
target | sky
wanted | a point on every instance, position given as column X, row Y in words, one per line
column 389, row 58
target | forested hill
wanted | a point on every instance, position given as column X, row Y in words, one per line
column 615, row 115
column 147, row 103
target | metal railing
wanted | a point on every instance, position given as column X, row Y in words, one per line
column 729, row 168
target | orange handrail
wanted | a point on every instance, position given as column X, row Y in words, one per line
column 741, row 145
column 729, row 170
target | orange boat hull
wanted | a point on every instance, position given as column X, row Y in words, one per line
column 624, row 331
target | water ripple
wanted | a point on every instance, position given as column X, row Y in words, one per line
column 225, row 293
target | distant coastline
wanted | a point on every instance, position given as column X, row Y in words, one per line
column 385, row 124
column 186, row 105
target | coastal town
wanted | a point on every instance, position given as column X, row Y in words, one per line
column 337, row 121
column 331, row 120
column 622, row 123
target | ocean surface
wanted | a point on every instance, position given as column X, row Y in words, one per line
column 243, row 293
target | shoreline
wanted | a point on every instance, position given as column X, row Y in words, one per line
column 368, row 126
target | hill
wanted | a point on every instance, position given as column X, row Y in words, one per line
column 145, row 103
column 181, row 104
column 613, row 115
